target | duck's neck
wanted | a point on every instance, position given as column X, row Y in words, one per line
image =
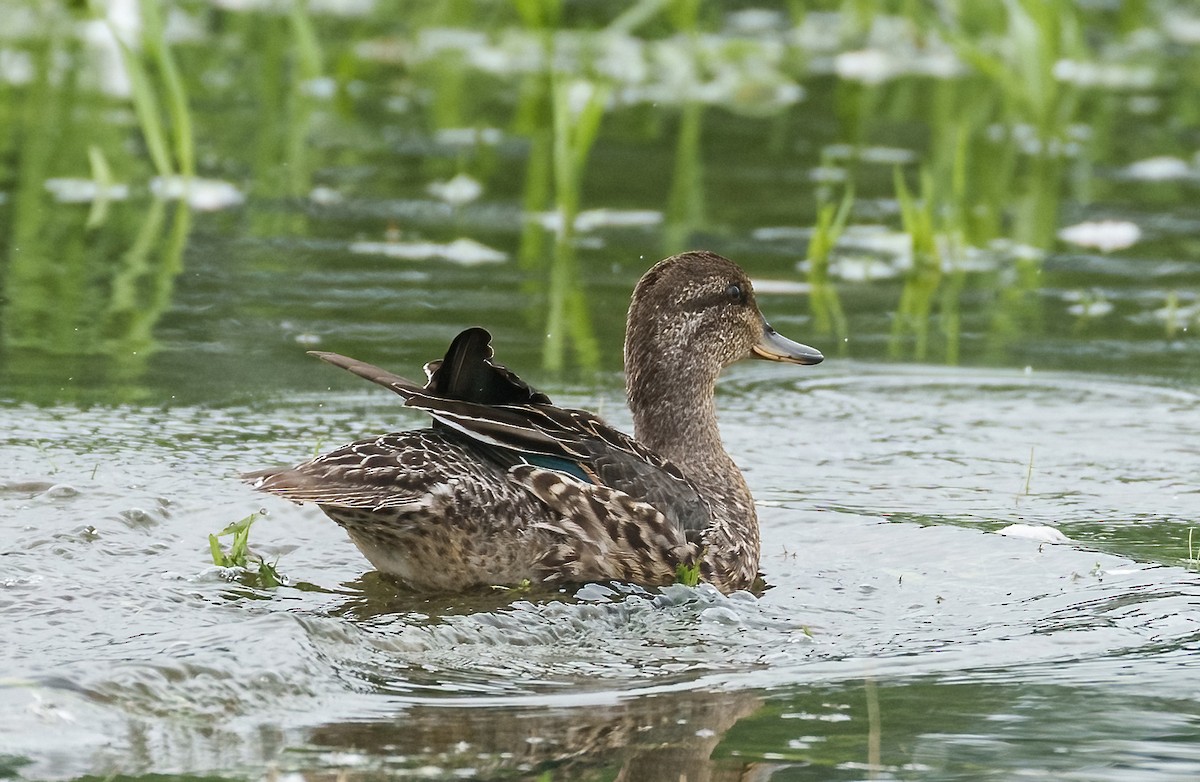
column 675, row 415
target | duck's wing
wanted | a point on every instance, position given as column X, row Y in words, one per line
column 605, row 534
column 580, row 444
column 657, row 482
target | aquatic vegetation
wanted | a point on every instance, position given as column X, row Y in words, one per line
column 924, row 277
column 256, row 570
column 577, row 109
column 168, row 157
column 688, row 574
column 828, row 316
column 1177, row 318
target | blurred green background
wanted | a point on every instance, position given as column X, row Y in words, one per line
column 193, row 192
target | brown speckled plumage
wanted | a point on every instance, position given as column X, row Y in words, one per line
column 506, row 486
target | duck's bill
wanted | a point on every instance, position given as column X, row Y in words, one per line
column 773, row 346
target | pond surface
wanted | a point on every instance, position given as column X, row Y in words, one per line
column 977, row 513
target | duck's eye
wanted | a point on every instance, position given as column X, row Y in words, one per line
column 734, row 292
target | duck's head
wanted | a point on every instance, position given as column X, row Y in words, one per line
column 695, row 313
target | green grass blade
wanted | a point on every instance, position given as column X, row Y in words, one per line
column 147, row 108
column 153, row 38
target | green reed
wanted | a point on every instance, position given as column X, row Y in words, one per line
column 102, row 175
column 575, row 133
column 923, row 278
column 685, row 202
column 176, row 151
column 828, row 316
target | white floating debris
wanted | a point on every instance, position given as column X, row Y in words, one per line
column 869, row 66
column 579, row 94
column 343, row 8
column 1106, row 75
column 893, row 247
column 322, row 88
column 434, row 40
column 1091, row 309
column 593, row 219
column 1181, row 27
column 330, row 7
column 465, row 251
column 780, row 233
column 1143, row 104
column 16, row 67
column 205, row 195
column 1104, row 235
column 940, row 64
column 886, row 156
column 398, row 104
column 81, row 191
column 120, row 25
column 468, row 137
column 860, row 269
column 460, row 190
column 1031, row 532
column 781, row 288
column 1177, row 315
column 1159, row 169
column 324, row 196
column 1015, row 250
column 622, row 59
column 756, row 21
column 833, row 174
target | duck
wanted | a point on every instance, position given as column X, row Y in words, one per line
column 505, row 488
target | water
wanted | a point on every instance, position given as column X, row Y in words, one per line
column 900, row 632
column 977, row 514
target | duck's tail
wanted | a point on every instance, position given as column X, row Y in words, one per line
column 466, row 373
column 402, row 386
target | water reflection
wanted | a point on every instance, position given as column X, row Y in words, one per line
column 93, row 289
column 663, row 736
